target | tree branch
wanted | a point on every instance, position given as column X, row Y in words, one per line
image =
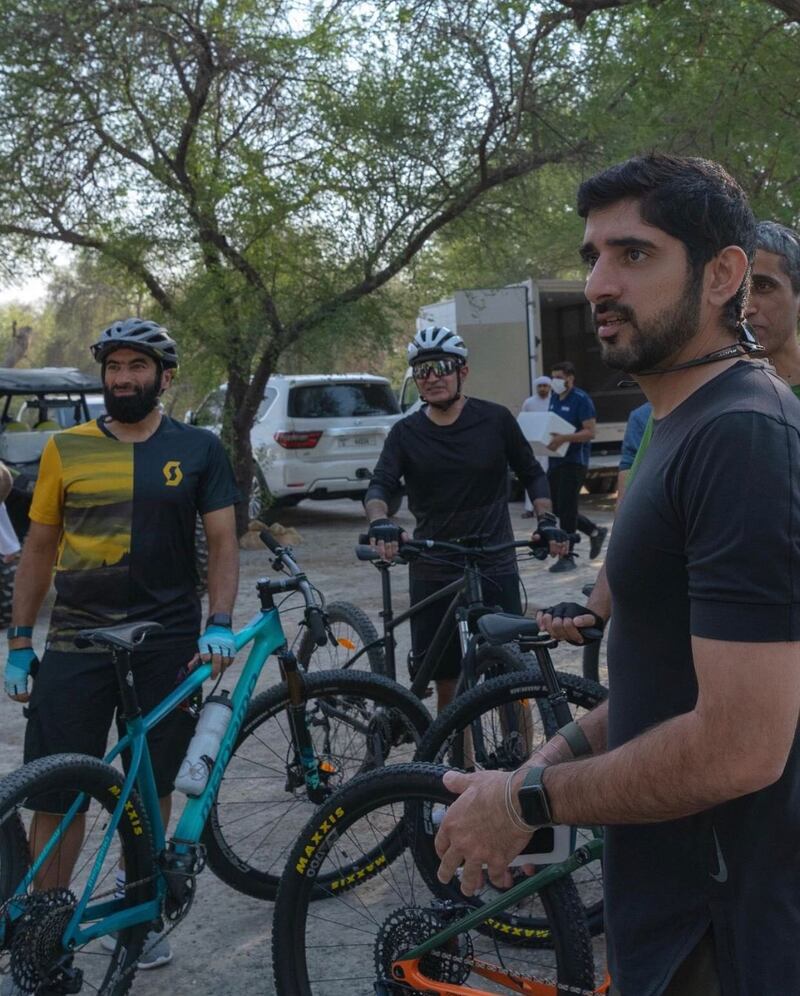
column 69, row 237
column 454, row 209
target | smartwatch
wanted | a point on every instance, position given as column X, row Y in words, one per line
column 219, row 619
column 533, row 800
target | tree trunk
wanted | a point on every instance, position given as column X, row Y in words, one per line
column 242, row 399
column 18, row 347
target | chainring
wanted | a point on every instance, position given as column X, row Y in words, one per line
column 409, row 926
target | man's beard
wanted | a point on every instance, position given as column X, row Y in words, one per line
column 659, row 338
column 132, row 407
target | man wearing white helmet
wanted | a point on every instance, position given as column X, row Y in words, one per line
column 454, row 456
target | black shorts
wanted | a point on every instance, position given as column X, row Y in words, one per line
column 501, row 590
column 74, row 701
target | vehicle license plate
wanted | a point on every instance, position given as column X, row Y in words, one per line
column 358, row 441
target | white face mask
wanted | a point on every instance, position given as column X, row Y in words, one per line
column 558, row 385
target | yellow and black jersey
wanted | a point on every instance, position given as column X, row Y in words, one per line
column 128, row 512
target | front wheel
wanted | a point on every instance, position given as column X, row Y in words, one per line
column 497, row 726
column 349, row 630
column 32, row 947
column 378, row 903
column 357, row 721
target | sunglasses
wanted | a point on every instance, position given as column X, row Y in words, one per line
column 437, row 368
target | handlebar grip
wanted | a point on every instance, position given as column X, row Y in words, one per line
column 573, row 538
column 269, row 541
column 316, row 626
column 366, row 552
column 591, row 634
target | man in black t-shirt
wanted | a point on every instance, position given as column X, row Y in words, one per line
column 114, row 512
column 694, row 762
column 454, row 455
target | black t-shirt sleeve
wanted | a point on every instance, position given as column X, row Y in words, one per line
column 217, row 486
column 387, row 477
column 522, row 461
column 743, row 565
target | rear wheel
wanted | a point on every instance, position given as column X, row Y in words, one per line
column 349, row 630
column 8, row 573
column 32, row 949
column 378, row 902
column 498, row 725
column 260, row 497
column 357, row 722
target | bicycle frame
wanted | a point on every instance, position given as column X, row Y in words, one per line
column 465, row 594
column 90, row 921
column 407, row 969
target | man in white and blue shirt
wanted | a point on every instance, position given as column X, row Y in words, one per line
column 566, row 473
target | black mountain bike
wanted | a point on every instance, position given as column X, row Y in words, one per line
column 466, row 604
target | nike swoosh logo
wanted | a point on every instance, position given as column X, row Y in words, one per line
column 721, row 874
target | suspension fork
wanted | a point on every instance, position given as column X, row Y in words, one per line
column 387, row 616
column 304, row 754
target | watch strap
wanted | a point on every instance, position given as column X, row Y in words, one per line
column 219, row 619
column 576, row 738
column 15, row 632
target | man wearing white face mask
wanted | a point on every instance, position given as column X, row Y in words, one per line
column 539, row 401
column 566, row 474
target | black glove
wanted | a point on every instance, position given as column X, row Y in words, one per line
column 384, row 530
column 548, row 531
column 569, row 610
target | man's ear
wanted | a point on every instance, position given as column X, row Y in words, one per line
column 166, row 378
column 724, row 275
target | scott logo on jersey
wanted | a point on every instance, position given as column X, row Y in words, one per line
column 173, row 474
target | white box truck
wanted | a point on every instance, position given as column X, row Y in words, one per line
column 516, row 333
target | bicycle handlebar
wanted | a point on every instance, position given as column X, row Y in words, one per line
column 297, row 582
column 365, row 551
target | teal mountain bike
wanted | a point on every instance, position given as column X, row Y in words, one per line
column 283, row 753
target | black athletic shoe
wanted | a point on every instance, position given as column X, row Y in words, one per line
column 596, row 542
column 563, row 564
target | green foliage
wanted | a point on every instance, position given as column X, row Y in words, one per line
column 678, row 76
column 269, row 172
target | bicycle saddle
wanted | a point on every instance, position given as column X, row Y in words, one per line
column 126, row 635
column 503, row 627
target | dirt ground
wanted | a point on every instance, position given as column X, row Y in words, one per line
column 224, row 945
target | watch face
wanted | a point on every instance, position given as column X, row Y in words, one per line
column 533, row 799
column 534, row 806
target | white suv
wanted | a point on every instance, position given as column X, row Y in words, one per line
column 315, row 436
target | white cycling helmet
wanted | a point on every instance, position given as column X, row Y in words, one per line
column 434, row 342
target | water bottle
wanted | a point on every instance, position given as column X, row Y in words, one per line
column 204, row 747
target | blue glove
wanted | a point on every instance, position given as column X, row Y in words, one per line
column 217, row 640
column 18, row 667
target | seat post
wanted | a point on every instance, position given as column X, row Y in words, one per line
column 121, row 662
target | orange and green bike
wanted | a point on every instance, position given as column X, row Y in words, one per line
column 360, row 910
